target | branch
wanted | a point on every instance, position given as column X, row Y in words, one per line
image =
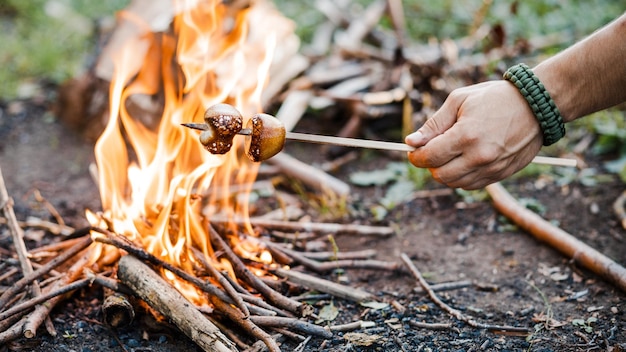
column 557, row 238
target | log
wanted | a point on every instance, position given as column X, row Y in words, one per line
column 169, row 302
column 309, row 175
column 557, row 238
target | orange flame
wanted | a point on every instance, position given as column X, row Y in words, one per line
column 150, row 172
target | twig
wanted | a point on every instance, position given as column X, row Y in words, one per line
column 49, row 226
column 557, row 238
column 20, row 284
column 335, row 289
column 452, row 311
column 245, row 274
column 222, row 281
column 17, row 234
column 446, row 286
column 18, row 308
column 122, row 243
column 319, row 227
column 55, row 247
column 42, row 311
column 292, row 323
column 347, row 327
column 309, row 175
column 430, row 326
column 237, row 317
column 322, row 267
column 366, row 253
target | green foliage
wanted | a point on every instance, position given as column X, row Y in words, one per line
column 586, row 325
column 400, row 179
column 46, row 39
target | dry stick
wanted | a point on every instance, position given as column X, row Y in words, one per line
column 42, row 311
column 7, row 275
column 140, row 253
column 19, row 308
column 237, row 317
column 446, row 286
column 430, row 326
column 454, row 312
column 319, row 227
column 347, row 327
column 331, row 265
column 309, row 175
column 13, row 332
column 222, row 281
column 357, row 264
column 171, row 303
column 557, row 238
column 332, row 288
column 55, row 247
column 292, row 323
column 49, row 226
column 20, row 284
column 17, row 235
column 245, row 274
column 362, row 254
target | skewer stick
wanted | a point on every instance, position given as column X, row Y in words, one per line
column 371, row 144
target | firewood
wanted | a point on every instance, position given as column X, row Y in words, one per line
column 557, row 238
column 321, row 285
column 362, row 254
column 245, row 274
column 117, row 311
column 222, row 281
column 27, row 279
column 42, row 311
column 292, row 323
column 18, row 308
column 318, row 227
column 169, row 302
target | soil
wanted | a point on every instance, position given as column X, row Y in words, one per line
column 516, row 280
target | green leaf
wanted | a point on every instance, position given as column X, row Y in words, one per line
column 398, row 193
column 328, row 313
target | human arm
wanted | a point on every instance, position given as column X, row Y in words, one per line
column 485, row 132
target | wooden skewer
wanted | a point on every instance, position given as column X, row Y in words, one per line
column 371, row 144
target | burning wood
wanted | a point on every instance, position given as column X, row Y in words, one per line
column 169, row 302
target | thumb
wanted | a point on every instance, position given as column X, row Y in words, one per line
column 442, row 120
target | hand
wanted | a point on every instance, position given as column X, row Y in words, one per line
column 482, row 134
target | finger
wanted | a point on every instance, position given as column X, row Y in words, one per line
column 441, row 121
column 453, row 171
column 439, row 151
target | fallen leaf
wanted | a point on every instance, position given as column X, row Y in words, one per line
column 361, row 339
column 375, row 305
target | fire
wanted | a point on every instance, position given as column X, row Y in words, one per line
column 154, row 176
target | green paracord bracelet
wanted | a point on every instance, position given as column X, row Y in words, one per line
column 542, row 105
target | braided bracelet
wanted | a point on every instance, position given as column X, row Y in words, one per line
column 542, row 105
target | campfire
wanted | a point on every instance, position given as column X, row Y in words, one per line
column 177, row 228
column 175, row 225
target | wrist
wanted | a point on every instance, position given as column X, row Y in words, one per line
column 539, row 100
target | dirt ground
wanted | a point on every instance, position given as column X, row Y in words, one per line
column 516, row 280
